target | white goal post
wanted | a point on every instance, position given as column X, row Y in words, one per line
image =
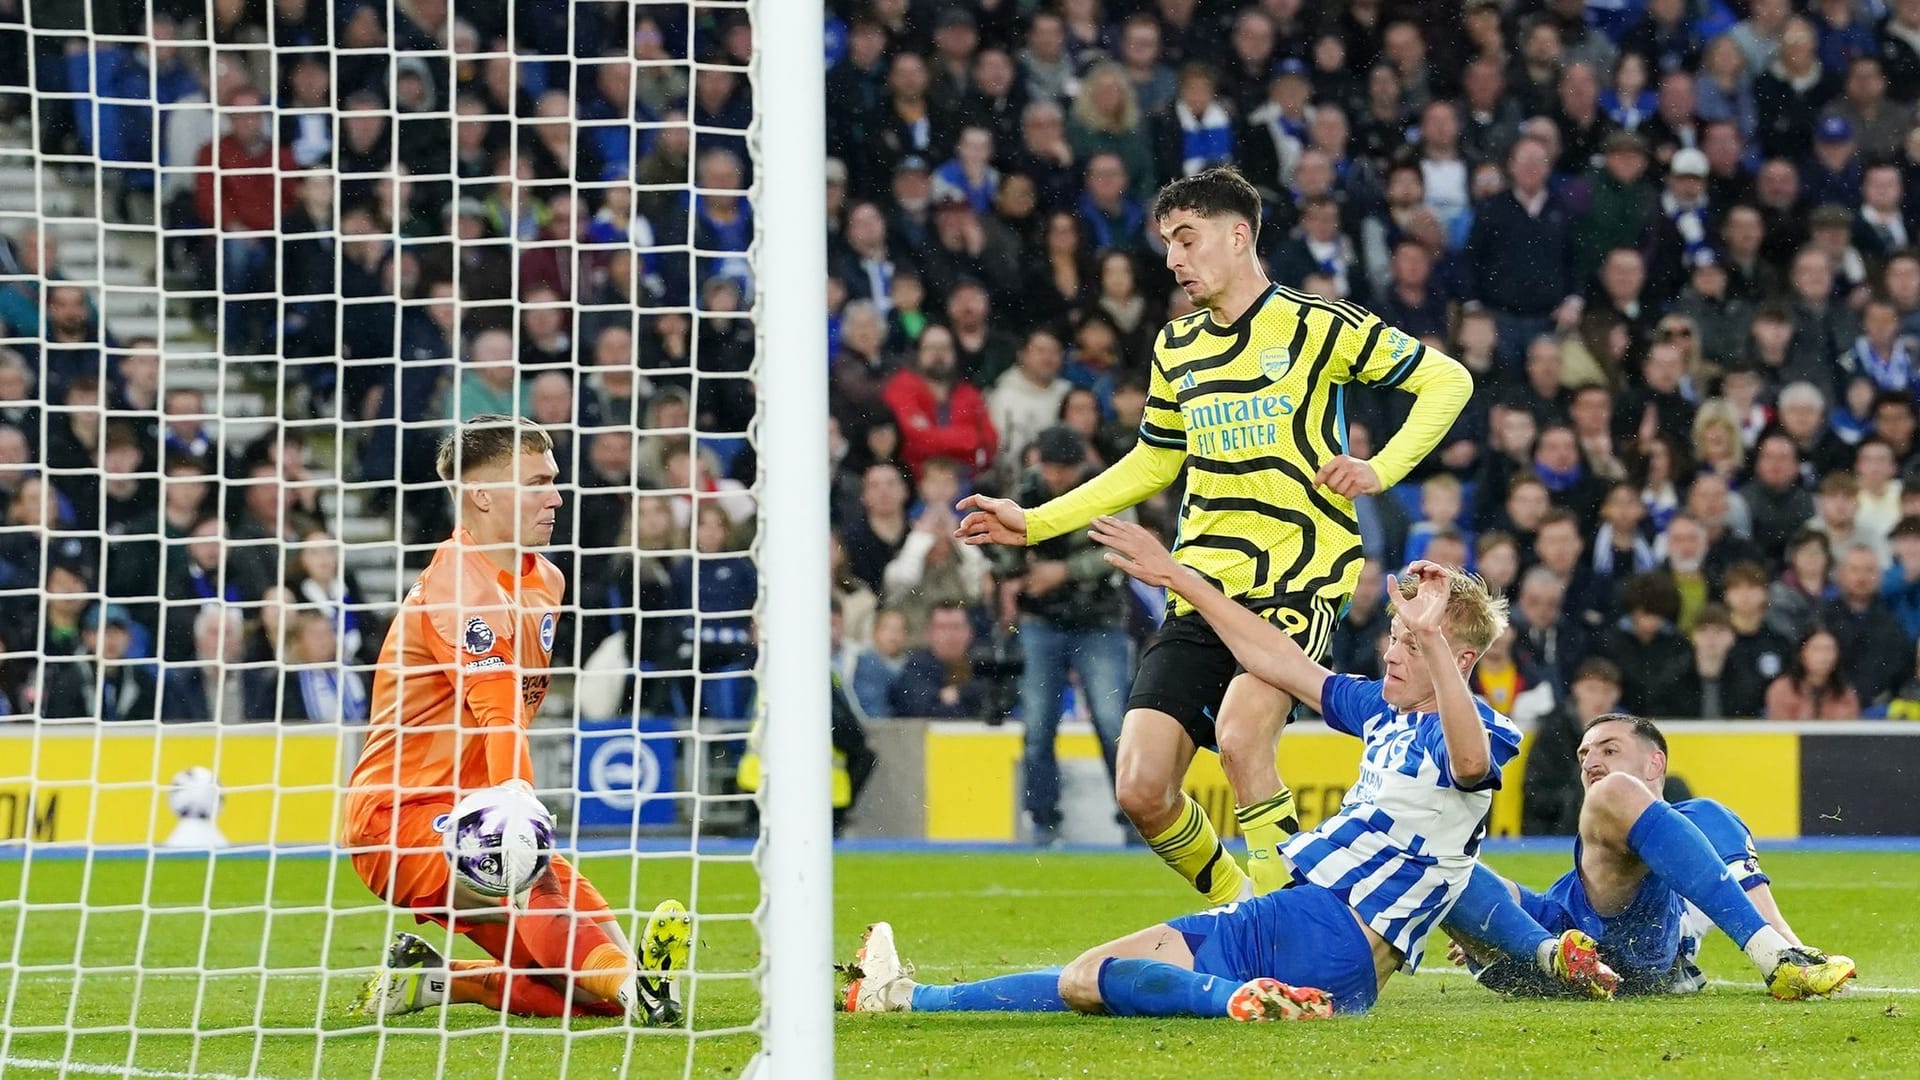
column 796, row 861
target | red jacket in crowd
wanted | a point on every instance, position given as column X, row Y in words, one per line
column 959, row 428
column 245, row 176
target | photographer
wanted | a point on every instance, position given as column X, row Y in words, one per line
column 1073, row 618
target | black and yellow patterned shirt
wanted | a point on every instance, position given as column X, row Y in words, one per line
column 1255, row 408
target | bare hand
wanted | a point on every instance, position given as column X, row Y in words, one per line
column 1348, row 476
column 1422, row 599
column 1456, row 955
column 1567, row 315
column 1135, row 551
column 992, row 521
column 1045, row 576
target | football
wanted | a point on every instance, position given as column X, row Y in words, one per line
column 500, row 841
column 194, row 794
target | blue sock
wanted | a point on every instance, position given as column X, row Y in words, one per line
column 1680, row 853
column 1155, row 988
column 1029, row 991
column 1487, row 912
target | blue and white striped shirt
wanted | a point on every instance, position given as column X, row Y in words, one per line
column 1401, row 847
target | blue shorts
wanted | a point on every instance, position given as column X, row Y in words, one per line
column 1302, row 935
column 1642, row 944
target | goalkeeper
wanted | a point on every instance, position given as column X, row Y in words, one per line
column 461, row 675
column 1247, row 393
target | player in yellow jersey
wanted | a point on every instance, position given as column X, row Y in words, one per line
column 1247, row 392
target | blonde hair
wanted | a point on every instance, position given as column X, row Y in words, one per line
column 1476, row 615
column 487, row 440
column 1087, row 114
column 1718, row 412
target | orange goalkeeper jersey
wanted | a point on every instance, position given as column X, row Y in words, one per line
column 462, row 673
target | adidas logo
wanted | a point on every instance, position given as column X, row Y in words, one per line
column 1187, row 382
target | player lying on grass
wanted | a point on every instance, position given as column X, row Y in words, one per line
column 461, row 675
column 1369, row 883
column 1648, row 880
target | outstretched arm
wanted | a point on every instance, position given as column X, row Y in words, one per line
column 1261, row 647
column 1423, row 617
column 1144, row 470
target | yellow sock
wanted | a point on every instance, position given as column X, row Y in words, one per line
column 1266, row 824
column 1194, row 850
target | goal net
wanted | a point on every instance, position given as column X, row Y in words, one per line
column 257, row 259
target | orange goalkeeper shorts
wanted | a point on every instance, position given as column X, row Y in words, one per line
column 404, row 862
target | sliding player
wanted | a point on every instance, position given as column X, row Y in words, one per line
column 1248, row 391
column 1644, row 872
column 461, row 675
column 1370, row 882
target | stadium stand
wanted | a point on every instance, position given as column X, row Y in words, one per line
column 1673, row 239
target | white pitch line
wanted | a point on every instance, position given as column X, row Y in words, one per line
column 54, row 978
column 88, row 1068
column 1852, row 989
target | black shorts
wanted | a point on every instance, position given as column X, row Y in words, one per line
column 1185, row 668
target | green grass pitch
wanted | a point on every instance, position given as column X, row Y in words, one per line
column 958, row 916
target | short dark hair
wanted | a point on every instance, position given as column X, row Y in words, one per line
column 1042, row 330
column 1591, row 388
column 1318, row 202
column 1894, row 398
column 1712, row 614
column 1493, row 538
column 1642, row 727
column 1653, row 593
column 1598, row 667
column 1209, row 193
column 941, row 463
column 1746, row 572
column 1807, row 536
column 1196, row 69
column 1559, row 516
column 120, row 435
column 1525, row 479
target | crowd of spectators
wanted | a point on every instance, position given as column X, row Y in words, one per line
column 494, row 214
column 1671, row 238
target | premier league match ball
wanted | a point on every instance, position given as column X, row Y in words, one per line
column 500, row 841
